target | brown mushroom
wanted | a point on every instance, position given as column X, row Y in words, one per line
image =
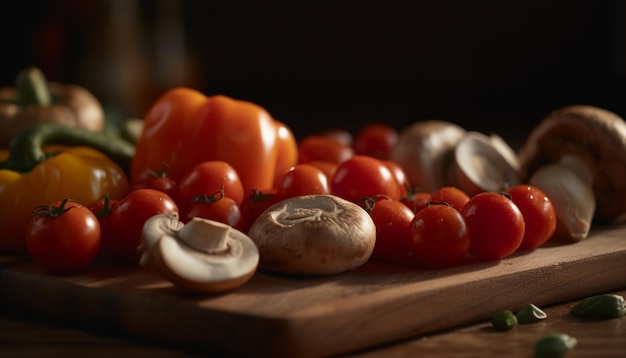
column 203, row 256
column 313, row 235
column 596, row 137
column 425, row 150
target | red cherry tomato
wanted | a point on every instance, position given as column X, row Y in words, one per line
column 327, row 167
column 302, row 179
column 454, row 196
column 392, row 220
column 376, row 140
column 63, row 237
column 400, row 175
column 363, row 176
column 317, row 147
column 102, row 210
column 438, row 236
column 254, row 205
column 495, row 225
column 416, row 201
column 217, row 207
column 205, row 179
column 126, row 221
column 538, row 212
column 166, row 185
column 158, row 181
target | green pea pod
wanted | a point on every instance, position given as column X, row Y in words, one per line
column 504, row 320
column 554, row 345
column 600, row 307
column 25, row 151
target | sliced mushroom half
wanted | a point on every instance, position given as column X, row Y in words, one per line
column 202, row 256
column 313, row 235
column 484, row 163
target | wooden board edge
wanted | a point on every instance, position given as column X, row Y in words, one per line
column 399, row 320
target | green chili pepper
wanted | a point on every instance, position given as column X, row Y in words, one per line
column 600, row 307
column 554, row 345
column 504, row 320
column 25, row 151
column 530, row 314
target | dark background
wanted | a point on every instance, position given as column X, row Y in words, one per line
column 486, row 65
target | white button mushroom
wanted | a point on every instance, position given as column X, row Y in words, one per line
column 202, row 256
column 425, row 150
column 313, row 235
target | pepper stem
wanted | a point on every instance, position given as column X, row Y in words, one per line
column 32, row 88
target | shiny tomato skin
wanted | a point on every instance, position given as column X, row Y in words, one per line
column 317, row 147
column 376, row 140
column 495, row 225
column 127, row 219
column 224, row 210
column 64, row 244
column 207, row 178
column 538, row 212
column 438, row 237
column 328, row 168
column 452, row 195
column 400, row 175
column 363, row 176
column 302, row 179
column 392, row 219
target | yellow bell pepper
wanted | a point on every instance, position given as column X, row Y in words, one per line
column 31, row 176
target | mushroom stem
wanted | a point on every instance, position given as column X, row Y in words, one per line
column 568, row 185
column 205, row 235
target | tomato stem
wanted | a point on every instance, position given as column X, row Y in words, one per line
column 51, row 210
column 370, row 202
column 106, row 208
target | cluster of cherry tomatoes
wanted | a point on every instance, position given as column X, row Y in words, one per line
column 437, row 229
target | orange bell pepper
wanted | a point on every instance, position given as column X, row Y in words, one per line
column 184, row 128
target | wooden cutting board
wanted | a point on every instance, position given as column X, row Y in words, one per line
column 295, row 316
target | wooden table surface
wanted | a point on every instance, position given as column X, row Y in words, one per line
column 22, row 335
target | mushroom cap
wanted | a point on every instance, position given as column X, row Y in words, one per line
column 313, row 235
column 594, row 135
column 425, row 150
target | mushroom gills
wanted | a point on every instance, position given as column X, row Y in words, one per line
column 484, row 163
